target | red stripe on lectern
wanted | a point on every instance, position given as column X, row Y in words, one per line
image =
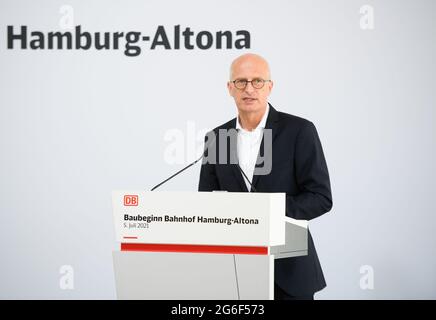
column 192, row 248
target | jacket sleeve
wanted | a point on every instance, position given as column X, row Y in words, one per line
column 314, row 198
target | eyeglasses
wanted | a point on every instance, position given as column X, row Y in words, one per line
column 257, row 83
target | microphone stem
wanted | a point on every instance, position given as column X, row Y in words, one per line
column 180, row 171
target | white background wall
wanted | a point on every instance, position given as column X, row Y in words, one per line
column 74, row 125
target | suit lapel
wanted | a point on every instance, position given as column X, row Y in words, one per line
column 239, row 178
column 271, row 124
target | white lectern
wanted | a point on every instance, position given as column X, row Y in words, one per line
column 202, row 245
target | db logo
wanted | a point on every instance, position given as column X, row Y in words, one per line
column 130, row 200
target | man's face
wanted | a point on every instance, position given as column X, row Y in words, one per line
column 250, row 99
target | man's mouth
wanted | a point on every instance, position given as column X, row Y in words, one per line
column 248, row 99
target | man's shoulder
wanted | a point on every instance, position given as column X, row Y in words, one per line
column 288, row 119
column 228, row 125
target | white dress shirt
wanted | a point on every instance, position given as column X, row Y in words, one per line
column 248, row 146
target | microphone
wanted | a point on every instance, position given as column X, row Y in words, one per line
column 188, row 166
column 246, row 178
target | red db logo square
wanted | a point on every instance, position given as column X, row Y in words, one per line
column 130, row 200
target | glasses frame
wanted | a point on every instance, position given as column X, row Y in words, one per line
column 251, row 81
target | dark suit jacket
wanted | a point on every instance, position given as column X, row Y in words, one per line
column 299, row 169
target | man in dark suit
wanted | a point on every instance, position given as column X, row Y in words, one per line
column 297, row 167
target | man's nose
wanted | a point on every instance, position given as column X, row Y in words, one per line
column 249, row 87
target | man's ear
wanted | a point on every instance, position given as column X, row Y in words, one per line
column 229, row 87
column 271, row 85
